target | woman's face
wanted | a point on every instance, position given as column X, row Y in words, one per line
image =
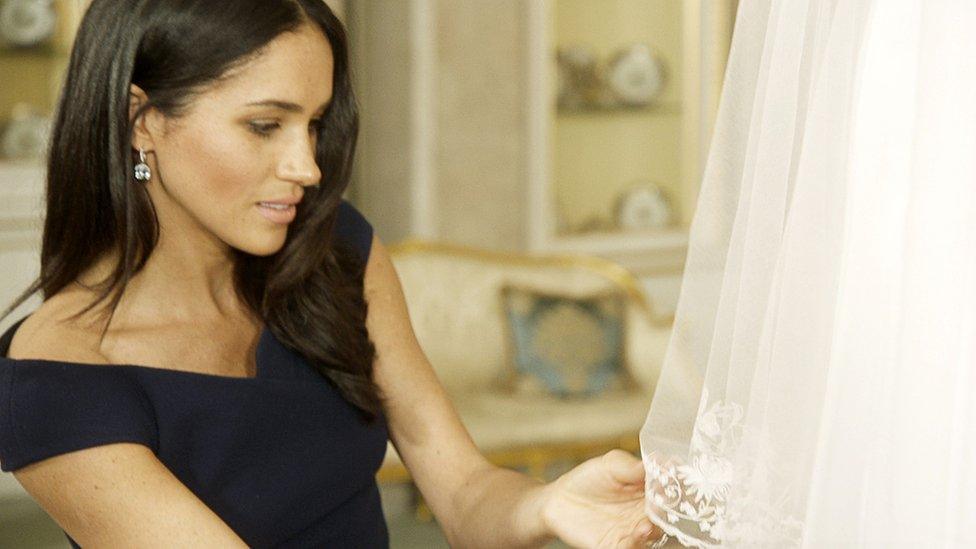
column 250, row 139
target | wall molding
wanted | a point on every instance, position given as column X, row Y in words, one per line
column 423, row 117
column 538, row 32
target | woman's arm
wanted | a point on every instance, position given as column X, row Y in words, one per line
column 476, row 503
column 121, row 495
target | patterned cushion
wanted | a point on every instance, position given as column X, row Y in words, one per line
column 563, row 345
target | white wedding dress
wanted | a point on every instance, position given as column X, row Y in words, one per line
column 819, row 389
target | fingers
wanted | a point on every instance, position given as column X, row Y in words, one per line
column 624, row 467
column 643, row 534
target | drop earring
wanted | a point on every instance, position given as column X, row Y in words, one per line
column 142, row 171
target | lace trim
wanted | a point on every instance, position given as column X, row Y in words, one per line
column 689, row 500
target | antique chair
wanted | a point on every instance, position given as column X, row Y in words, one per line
column 461, row 307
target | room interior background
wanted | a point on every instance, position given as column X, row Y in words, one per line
column 463, row 138
column 568, row 127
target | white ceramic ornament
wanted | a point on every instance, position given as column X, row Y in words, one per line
column 635, row 76
column 643, row 207
column 26, row 23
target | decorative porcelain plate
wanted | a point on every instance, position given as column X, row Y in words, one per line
column 27, row 22
column 635, row 76
column 643, row 207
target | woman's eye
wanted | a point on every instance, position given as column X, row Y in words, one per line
column 315, row 125
column 263, row 130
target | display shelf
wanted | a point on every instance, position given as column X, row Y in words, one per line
column 32, row 76
column 583, row 158
column 43, row 50
column 636, row 239
column 671, row 108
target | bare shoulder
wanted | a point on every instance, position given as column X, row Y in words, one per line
column 115, row 494
column 50, row 332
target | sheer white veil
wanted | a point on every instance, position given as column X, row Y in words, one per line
column 819, row 388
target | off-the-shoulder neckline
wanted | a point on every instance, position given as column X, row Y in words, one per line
column 145, row 368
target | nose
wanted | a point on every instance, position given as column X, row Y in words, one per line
column 298, row 164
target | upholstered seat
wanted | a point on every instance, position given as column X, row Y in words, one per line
column 454, row 297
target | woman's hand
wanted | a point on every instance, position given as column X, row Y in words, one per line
column 600, row 503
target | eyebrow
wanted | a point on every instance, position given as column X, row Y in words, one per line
column 284, row 105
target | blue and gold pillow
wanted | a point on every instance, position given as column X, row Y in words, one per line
column 567, row 346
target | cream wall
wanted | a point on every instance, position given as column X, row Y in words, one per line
column 480, row 133
column 442, row 148
column 381, row 57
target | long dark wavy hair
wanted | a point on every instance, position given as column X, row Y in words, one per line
column 310, row 293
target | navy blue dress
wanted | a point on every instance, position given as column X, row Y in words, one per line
column 281, row 457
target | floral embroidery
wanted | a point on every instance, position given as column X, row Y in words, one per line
column 694, row 497
column 707, row 478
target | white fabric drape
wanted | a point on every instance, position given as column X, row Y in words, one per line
column 819, row 389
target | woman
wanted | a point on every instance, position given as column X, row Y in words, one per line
column 254, row 353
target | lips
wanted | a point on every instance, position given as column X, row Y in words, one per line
column 279, row 210
column 277, row 213
column 275, row 205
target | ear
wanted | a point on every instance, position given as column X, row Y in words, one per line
column 145, row 128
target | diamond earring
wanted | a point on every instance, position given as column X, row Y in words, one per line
column 142, row 171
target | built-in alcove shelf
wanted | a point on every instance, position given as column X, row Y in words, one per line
column 613, row 111
column 664, row 143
